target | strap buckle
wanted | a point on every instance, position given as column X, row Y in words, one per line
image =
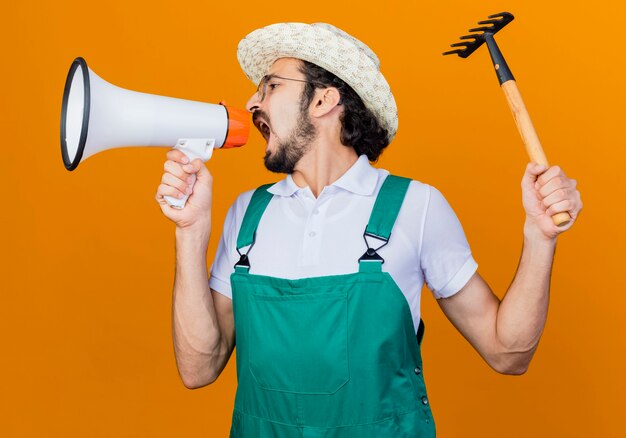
column 244, row 261
column 371, row 255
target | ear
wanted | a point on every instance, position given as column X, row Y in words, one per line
column 325, row 100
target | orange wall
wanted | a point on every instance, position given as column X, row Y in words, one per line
column 88, row 259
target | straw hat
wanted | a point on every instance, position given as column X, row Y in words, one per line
column 330, row 48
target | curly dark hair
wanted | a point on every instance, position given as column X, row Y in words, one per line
column 359, row 127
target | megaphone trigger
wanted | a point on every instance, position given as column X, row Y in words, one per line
column 193, row 148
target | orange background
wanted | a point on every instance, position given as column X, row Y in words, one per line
column 88, row 259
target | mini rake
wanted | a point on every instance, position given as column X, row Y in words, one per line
column 529, row 136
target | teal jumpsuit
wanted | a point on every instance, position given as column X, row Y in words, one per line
column 333, row 356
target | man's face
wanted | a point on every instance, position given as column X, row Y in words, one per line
column 282, row 118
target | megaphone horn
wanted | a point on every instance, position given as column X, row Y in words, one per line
column 97, row 116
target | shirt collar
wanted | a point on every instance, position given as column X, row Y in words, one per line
column 360, row 179
column 284, row 187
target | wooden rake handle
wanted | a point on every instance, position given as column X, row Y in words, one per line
column 529, row 136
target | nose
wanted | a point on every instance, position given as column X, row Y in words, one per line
column 253, row 103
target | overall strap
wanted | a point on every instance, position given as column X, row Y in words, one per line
column 387, row 207
column 380, row 224
column 260, row 199
column 382, row 219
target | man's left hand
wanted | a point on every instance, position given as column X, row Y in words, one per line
column 546, row 191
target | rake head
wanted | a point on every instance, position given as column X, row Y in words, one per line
column 491, row 26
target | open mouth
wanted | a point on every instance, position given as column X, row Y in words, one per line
column 265, row 129
column 261, row 124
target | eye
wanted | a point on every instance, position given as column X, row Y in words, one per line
column 272, row 86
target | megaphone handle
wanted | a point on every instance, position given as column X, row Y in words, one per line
column 193, row 148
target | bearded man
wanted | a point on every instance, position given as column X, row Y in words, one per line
column 320, row 274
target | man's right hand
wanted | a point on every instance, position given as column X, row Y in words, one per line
column 176, row 181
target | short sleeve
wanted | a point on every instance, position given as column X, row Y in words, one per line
column 445, row 255
column 226, row 255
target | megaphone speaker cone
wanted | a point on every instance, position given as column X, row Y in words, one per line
column 97, row 116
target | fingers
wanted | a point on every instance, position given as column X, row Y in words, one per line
column 177, row 174
column 558, row 205
column 179, row 165
column 177, row 155
column 172, row 181
column 551, row 172
column 554, row 180
column 166, row 190
column 533, row 170
column 178, row 177
column 194, row 166
column 177, row 170
column 556, row 185
column 557, row 192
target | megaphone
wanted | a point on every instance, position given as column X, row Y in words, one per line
column 97, row 115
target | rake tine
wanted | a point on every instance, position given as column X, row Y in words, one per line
column 481, row 29
column 475, row 36
column 489, row 21
column 452, row 52
column 460, row 44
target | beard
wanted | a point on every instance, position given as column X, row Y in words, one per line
column 292, row 149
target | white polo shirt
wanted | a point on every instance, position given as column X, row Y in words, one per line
column 300, row 236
